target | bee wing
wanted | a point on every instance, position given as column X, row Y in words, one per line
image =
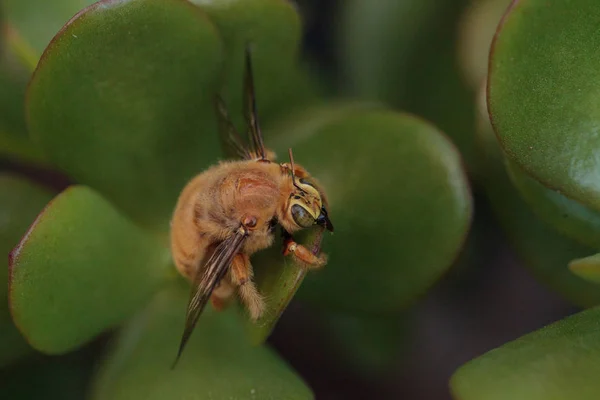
column 231, row 142
column 206, row 280
column 256, row 140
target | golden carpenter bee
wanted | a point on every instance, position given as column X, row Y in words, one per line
column 231, row 210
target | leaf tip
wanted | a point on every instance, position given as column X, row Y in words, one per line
column 587, row 268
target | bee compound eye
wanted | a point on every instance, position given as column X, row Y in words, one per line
column 301, row 216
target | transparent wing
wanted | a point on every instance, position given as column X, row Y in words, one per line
column 231, row 142
column 256, row 139
column 206, row 280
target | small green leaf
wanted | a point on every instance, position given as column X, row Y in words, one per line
column 20, row 202
column 587, row 268
column 557, row 362
column 543, row 94
column 81, row 269
column 543, row 250
column 134, row 82
column 396, row 188
column 217, row 364
column 567, row 216
column 278, row 279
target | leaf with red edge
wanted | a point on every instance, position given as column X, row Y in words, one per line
column 20, row 202
column 81, row 268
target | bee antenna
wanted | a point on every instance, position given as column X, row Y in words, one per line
column 292, row 164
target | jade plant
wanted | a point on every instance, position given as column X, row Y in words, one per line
column 431, row 101
column 118, row 96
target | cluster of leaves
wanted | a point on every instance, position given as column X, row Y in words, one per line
column 530, row 144
column 118, row 96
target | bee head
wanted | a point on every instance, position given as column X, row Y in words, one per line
column 306, row 206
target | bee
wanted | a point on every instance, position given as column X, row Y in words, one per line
column 230, row 211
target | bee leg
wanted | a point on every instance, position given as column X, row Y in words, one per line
column 302, row 254
column 241, row 276
column 221, row 295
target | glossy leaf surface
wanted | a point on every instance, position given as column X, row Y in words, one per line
column 20, row 202
column 81, row 268
column 396, row 188
column 543, row 250
column 133, row 81
column 218, row 363
column 543, row 94
column 557, row 362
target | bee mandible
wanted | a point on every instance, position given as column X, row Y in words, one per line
column 231, row 210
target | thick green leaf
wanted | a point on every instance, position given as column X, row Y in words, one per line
column 81, row 268
column 278, row 279
column 404, row 53
column 567, row 216
column 217, row 364
column 544, row 251
column 133, row 81
column 396, row 189
column 273, row 30
column 543, row 94
column 558, row 362
column 20, row 202
column 35, row 22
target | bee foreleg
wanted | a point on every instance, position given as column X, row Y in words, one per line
column 302, row 254
column 241, row 276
